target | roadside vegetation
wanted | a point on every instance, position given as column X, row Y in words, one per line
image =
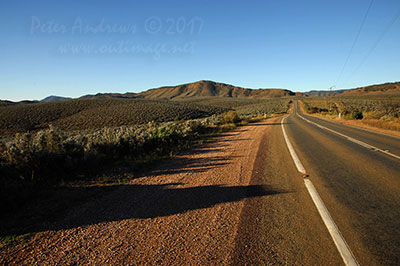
column 83, row 114
column 74, row 143
column 55, row 156
column 371, row 110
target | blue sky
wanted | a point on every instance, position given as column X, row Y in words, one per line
column 73, row 48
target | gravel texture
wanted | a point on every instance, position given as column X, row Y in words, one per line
column 186, row 211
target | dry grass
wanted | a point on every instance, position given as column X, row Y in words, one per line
column 380, row 112
column 391, row 127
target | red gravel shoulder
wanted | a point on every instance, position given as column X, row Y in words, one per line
column 186, row 211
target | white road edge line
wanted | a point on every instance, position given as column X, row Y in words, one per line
column 341, row 245
column 296, row 159
column 363, row 144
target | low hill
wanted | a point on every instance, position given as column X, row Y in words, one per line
column 6, row 103
column 53, row 98
column 128, row 95
column 9, row 103
column 206, row 88
column 393, row 87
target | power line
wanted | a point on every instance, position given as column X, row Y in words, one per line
column 378, row 40
column 355, row 41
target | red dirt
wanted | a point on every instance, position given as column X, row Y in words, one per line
column 185, row 212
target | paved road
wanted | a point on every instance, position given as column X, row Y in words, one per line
column 359, row 186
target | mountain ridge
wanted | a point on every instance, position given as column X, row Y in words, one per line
column 206, row 88
column 388, row 87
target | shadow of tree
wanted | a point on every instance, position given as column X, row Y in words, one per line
column 189, row 165
column 134, row 202
column 69, row 207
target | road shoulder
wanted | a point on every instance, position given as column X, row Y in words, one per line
column 284, row 229
column 186, row 211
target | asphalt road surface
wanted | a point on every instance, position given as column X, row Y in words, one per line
column 359, row 185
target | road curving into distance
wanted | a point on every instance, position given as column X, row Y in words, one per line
column 357, row 175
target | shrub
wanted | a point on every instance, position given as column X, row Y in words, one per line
column 357, row 115
column 369, row 106
column 51, row 153
column 231, row 117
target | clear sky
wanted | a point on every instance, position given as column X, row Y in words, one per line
column 72, row 48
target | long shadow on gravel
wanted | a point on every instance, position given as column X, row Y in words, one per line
column 270, row 124
column 134, row 201
column 189, row 165
column 69, row 207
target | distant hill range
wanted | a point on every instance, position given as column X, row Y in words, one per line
column 323, row 93
column 128, row 95
column 205, row 88
column 386, row 88
column 53, row 98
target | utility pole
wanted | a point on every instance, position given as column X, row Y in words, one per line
column 330, row 97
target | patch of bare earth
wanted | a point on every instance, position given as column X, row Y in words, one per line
column 185, row 212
